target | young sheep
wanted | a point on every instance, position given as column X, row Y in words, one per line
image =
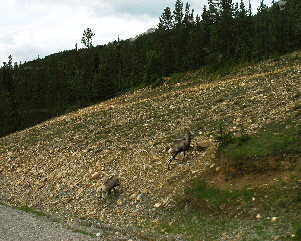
column 180, row 146
column 106, row 188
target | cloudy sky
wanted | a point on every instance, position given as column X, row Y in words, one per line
column 32, row 28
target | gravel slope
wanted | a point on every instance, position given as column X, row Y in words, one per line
column 57, row 166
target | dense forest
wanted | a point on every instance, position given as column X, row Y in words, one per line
column 225, row 34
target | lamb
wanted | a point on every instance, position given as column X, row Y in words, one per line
column 180, row 146
column 106, row 188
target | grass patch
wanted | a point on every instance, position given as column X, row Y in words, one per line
column 31, row 210
column 274, row 147
column 84, row 232
column 297, row 232
column 269, row 141
column 214, row 214
column 192, row 227
column 297, row 110
column 297, row 107
column 297, row 95
column 209, row 198
column 206, row 198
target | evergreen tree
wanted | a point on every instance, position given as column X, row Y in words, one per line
column 243, row 32
column 102, row 87
column 87, row 38
column 178, row 14
column 166, row 20
column 261, row 38
column 9, row 106
column 188, row 18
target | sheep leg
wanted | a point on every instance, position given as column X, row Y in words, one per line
column 104, row 195
column 172, row 158
column 183, row 156
column 169, row 161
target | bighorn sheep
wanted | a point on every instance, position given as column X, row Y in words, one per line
column 180, row 146
column 106, row 188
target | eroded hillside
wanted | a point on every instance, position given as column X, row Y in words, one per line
column 58, row 165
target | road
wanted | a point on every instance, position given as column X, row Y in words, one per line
column 17, row 225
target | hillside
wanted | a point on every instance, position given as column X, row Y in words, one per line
column 58, row 165
column 222, row 35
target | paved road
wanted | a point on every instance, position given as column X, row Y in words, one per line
column 17, row 225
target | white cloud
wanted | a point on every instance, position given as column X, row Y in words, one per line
column 152, row 8
column 30, row 28
column 22, row 37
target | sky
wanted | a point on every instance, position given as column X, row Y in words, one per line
column 32, row 28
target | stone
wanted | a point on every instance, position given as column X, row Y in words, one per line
column 133, row 196
column 139, row 197
column 203, row 144
column 95, row 175
column 274, row 219
column 157, row 205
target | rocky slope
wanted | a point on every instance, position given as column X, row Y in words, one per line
column 58, row 165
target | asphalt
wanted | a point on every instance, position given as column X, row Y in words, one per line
column 19, row 225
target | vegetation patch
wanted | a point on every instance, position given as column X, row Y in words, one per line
column 206, row 198
column 192, row 227
column 298, row 232
column 31, row 210
column 210, row 199
column 273, row 147
column 212, row 212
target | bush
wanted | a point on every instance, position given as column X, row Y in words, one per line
column 298, row 233
column 208, row 197
column 269, row 141
column 223, row 136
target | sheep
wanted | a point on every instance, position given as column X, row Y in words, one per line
column 106, row 188
column 180, row 146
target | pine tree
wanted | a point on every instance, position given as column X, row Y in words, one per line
column 166, row 20
column 10, row 115
column 87, row 38
column 261, row 37
column 178, row 14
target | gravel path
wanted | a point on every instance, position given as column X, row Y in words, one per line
column 20, row 225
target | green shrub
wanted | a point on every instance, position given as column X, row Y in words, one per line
column 297, row 95
column 210, row 196
column 298, row 232
column 270, row 141
column 297, row 107
column 223, row 136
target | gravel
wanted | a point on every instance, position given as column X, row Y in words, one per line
column 19, row 225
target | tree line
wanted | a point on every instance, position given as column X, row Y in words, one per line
column 225, row 34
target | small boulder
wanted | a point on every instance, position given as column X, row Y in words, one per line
column 201, row 145
column 95, row 175
column 157, row 205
